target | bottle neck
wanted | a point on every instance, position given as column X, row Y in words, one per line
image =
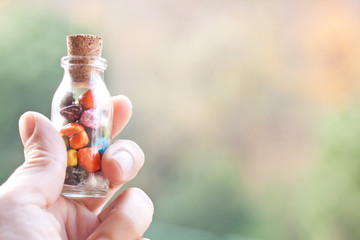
column 83, row 71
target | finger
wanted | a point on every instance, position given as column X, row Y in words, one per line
column 127, row 217
column 122, row 110
column 120, row 163
column 40, row 178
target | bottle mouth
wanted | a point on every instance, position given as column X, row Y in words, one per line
column 91, row 61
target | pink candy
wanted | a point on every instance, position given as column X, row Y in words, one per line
column 90, row 119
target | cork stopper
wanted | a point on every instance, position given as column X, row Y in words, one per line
column 84, row 45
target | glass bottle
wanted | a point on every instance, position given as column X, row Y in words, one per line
column 82, row 112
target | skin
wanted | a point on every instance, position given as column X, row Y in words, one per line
column 31, row 206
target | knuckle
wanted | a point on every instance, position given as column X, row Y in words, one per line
column 133, row 149
column 137, row 152
column 37, row 156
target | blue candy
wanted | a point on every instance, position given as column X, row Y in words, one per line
column 102, row 144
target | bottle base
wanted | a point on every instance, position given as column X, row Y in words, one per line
column 71, row 191
column 95, row 186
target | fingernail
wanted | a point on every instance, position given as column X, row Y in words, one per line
column 102, row 238
column 26, row 126
column 125, row 160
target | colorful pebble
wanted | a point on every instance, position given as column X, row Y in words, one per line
column 67, row 100
column 71, row 113
column 75, row 175
column 72, row 158
column 91, row 133
column 102, row 145
column 79, row 140
column 90, row 119
column 87, row 100
column 71, row 129
column 89, row 158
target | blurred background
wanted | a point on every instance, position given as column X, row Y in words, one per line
column 248, row 111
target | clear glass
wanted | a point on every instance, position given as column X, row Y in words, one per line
column 82, row 112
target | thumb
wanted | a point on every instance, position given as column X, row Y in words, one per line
column 40, row 178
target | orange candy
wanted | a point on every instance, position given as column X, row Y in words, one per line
column 87, row 100
column 71, row 129
column 89, row 158
column 80, row 140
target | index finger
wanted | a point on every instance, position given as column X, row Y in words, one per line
column 122, row 109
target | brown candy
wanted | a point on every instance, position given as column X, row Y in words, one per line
column 91, row 133
column 68, row 99
column 71, row 113
column 75, row 175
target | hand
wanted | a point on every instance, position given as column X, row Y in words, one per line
column 31, row 206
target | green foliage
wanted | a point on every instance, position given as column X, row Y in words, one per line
column 204, row 192
column 160, row 230
column 330, row 205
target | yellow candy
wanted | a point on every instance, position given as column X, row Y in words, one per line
column 72, row 158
